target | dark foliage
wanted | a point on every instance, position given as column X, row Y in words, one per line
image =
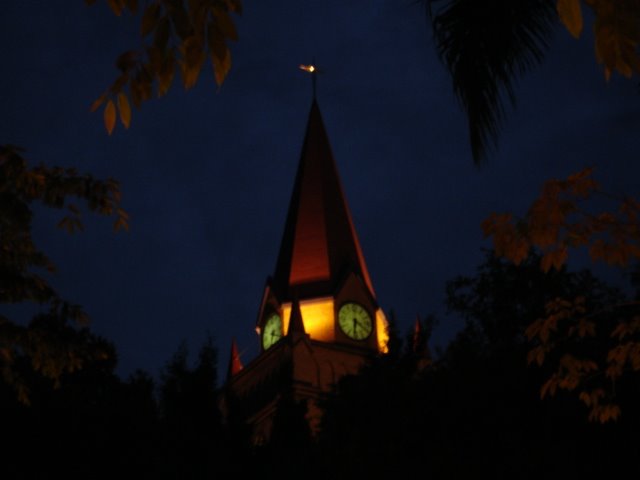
column 190, row 419
column 477, row 409
column 92, row 425
column 473, row 411
column 486, row 45
column 48, row 340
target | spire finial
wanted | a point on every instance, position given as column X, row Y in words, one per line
column 313, row 70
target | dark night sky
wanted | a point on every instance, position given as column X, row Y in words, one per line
column 206, row 174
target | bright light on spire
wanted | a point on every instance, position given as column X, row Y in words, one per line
column 307, row 68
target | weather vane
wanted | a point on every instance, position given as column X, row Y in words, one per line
column 313, row 70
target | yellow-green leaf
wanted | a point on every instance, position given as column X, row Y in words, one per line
column 554, row 258
column 124, row 109
column 225, row 24
column 127, row 60
column 193, row 56
column 119, row 83
column 586, row 398
column 537, row 355
column 110, row 116
column 132, row 5
column 182, row 19
column 165, row 75
column 189, row 74
column 549, row 387
column 150, row 18
column 64, row 223
column 234, row 6
column 163, row 32
column 156, row 58
column 193, row 51
column 98, row 101
column 570, row 14
column 116, row 6
column 121, row 224
column 620, row 331
column 221, row 66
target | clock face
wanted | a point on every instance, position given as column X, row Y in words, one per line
column 355, row 321
column 272, row 330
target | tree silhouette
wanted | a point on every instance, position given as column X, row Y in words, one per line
column 498, row 304
column 191, row 423
column 48, row 340
column 595, row 347
column 476, row 410
column 93, row 425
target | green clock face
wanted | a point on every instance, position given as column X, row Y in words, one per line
column 272, row 330
column 355, row 321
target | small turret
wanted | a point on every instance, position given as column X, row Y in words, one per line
column 235, row 364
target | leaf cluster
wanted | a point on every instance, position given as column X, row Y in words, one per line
column 52, row 347
column 616, row 28
column 177, row 36
column 596, row 352
column 559, row 220
column 594, row 346
column 475, row 410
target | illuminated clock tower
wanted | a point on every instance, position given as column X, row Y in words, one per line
column 319, row 318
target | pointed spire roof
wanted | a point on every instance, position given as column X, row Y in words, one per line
column 235, row 364
column 319, row 242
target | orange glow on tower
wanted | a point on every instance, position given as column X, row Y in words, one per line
column 319, row 238
column 318, row 316
column 382, row 327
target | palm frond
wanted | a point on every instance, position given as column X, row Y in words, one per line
column 486, row 45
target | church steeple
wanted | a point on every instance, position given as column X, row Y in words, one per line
column 319, row 245
column 319, row 318
column 320, row 262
